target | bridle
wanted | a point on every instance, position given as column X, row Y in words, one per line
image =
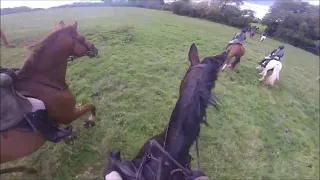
column 88, row 53
column 149, row 156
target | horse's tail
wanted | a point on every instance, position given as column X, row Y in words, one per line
column 275, row 74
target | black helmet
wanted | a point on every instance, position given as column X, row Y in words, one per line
column 281, row 46
column 244, row 30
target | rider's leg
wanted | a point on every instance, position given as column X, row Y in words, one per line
column 264, row 60
column 260, row 63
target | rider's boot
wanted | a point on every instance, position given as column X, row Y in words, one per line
column 260, row 64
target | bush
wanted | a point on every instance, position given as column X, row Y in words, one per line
column 231, row 15
column 166, row 7
column 181, row 8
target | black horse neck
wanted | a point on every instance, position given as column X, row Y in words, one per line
column 183, row 130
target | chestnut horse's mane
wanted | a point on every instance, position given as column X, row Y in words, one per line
column 37, row 49
column 39, row 46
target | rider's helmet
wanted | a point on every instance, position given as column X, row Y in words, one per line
column 244, row 30
column 281, row 46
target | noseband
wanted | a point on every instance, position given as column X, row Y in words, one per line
column 88, row 53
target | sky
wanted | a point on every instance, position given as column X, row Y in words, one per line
column 261, row 7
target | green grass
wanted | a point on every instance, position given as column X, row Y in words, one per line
column 259, row 133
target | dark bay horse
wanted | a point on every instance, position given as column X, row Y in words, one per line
column 236, row 51
column 43, row 77
column 166, row 156
column 252, row 31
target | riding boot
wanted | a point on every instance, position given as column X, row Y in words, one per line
column 266, row 63
column 262, row 61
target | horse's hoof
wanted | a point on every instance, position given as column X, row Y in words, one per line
column 88, row 124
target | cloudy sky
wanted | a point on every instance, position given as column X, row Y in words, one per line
column 261, row 7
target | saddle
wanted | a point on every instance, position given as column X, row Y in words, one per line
column 13, row 105
column 129, row 171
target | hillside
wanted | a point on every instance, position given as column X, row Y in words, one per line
column 259, row 133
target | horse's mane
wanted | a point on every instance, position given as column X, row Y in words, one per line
column 194, row 113
column 38, row 46
column 37, row 49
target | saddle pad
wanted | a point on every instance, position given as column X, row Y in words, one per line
column 13, row 107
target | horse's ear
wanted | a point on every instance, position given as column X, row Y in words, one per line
column 193, row 55
column 75, row 24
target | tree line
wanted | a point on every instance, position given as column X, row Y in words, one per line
column 294, row 22
column 5, row 11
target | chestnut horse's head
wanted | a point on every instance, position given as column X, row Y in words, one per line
column 65, row 41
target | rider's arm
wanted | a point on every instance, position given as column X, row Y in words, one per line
column 273, row 51
column 237, row 35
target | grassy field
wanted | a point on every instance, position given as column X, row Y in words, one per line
column 259, row 133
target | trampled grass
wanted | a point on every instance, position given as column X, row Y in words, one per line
column 259, row 133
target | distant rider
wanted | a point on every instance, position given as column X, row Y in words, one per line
column 263, row 36
column 276, row 54
column 239, row 38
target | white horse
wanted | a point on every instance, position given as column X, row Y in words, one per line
column 263, row 38
column 276, row 66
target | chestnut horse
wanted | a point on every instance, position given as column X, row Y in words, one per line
column 234, row 50
column 43, row 77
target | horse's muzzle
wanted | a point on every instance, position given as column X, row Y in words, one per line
column 93, row 52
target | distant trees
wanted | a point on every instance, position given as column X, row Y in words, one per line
column 224, row 3
column 154, row 4
column 222, row 13
column 294, row 22
column 18, row 9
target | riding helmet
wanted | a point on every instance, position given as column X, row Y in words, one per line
column 281, row 46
